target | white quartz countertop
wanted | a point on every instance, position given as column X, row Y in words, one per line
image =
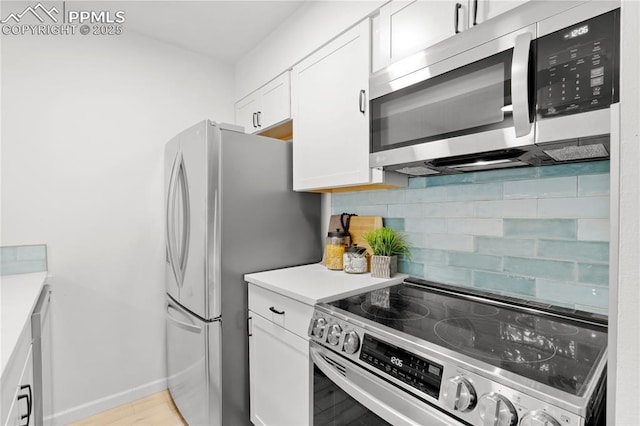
column 315, row 283
column 18, row 296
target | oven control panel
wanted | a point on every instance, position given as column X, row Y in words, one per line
column 440, row 380
column 416, row 371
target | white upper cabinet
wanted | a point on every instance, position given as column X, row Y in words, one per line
column 330, row 110
column 266, row 107
column 406, row 27
column 481, row 10
column 331, row 115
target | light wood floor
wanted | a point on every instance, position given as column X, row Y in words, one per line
column 157, row 409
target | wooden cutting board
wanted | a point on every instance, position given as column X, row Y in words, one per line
column 358, row 226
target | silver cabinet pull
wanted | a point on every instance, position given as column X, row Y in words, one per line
column 275, row 311
column 255, row 119
column 258, row 115
column 362, row 101
column 456, row 17
column 475, row 12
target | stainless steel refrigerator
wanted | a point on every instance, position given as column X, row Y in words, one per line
column 230, row 210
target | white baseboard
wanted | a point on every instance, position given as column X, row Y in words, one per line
column 108, row 402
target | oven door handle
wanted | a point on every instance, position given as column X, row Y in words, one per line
column 381, row 398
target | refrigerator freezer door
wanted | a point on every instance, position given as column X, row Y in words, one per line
column 193, row 368
column 187, row 186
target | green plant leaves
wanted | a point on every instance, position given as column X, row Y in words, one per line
column 387, row 242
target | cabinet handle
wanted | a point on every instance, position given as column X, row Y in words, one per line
column 362, row 102
column 275, row 311
column 475, row 12
column 456, row 17
column 249, row 326
column 258, row 115
column 29, row 403
column 255, row 117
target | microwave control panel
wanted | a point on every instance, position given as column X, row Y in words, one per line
column 578, row 67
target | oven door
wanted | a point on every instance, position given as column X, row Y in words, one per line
column 476, row 101
column 344, row 393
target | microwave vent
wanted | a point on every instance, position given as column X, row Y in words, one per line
column 578, row 152
column 417, row 171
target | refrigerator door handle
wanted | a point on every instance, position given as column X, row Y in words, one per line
column 170, row 222
column 186, row 218
column 186, row 326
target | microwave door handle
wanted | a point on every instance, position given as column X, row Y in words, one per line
column 520, row 84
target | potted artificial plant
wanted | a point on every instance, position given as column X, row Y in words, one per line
column 386, row 244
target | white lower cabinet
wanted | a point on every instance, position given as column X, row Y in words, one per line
column 21, row 411
column 279, row 367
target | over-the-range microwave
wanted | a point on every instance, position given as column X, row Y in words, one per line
column 533, row 86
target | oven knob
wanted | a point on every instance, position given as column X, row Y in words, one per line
column 496, row 410
column 538, row 418
column 351, row 342
column 459, row 394
column 319, row 326
column 334, row 334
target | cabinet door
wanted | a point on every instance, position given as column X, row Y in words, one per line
column 246, row 113
column 275, row 100
column 331, row 115
column 279, row 375
column 482, row 10
column 406, row 27
column 21, row 411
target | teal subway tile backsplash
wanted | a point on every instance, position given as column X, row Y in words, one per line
column 584, row 251
column 575, row 169
column 541, row 228
column 476, row 192
column 593, row 185
column 474, row 226
column 394, row 222
column 593, row 230
column 449, row 275
column 23, row 259
column 506, row 174
column 538, row 233
column 541, row 188
column 476, row 261
column 506, row 208
column 505, row 283
column 576, row 207
column 593, row 273
column 452, row 209
column 540, row 268
column 506, row 247
column 572, row 293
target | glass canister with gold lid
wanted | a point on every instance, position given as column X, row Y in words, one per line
column 337, row 241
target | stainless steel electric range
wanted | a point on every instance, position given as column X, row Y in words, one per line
column 427, row 354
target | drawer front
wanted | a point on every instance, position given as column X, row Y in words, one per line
column 284, row 311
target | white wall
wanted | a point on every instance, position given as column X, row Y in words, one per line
column 312, row 25
column 624, row 321
column 84, row 123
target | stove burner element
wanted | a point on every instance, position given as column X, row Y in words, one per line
column 465, row 307
column 494, row 340
column 398, row 309
column 547, row 327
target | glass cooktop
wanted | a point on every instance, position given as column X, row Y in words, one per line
column 560, row 351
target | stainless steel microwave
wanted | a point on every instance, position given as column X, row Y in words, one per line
column 533, row 86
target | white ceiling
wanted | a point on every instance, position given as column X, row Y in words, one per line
column 224, row 30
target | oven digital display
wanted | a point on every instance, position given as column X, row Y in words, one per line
column 422, row 374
